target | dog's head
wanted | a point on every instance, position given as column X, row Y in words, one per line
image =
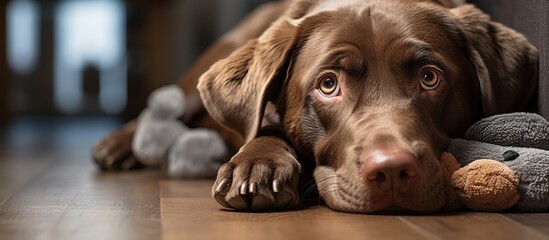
column 372, row 90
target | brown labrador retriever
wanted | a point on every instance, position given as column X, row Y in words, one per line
column 368, row 92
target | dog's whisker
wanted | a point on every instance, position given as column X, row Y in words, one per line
column 311, row 187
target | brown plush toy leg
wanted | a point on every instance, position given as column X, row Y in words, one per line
column 449, row 166
column 486, row 185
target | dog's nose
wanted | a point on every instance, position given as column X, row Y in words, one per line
column 390, row 170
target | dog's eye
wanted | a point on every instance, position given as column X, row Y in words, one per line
column 328, row 86
column 430, row 78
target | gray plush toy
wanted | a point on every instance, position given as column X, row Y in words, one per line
column 503, row 164
column 161, row 136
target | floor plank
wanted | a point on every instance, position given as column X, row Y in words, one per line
column 15, row 174
column 188, row 210
column 471, row 225
column 201, row 218
column 536, row 221
column 73, row 201
column 108, row 206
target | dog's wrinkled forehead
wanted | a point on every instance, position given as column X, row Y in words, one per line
column 358, row 34
column 330, row 5
column 334, row 5
column 358, row 6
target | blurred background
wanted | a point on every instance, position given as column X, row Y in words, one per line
column 72, row 70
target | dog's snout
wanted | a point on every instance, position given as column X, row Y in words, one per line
column 390, row 170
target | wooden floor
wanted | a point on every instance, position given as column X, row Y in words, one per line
column 52, row 190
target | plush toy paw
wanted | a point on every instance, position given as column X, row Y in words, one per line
column 486, row 185
column 161, row 136
column 154, row 137
column 197, row 153
column 167, row 102
column 449, row 166
column 158, row 126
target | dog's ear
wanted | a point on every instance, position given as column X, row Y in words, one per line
column 506, row 63
column 235, row 90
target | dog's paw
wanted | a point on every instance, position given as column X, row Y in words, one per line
column 113, row 152
column 263, row 176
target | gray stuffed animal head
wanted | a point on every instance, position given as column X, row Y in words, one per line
column 521, row 142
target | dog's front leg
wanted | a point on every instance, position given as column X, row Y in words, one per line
column 263, row 175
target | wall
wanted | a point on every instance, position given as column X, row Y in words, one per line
column 531, row 18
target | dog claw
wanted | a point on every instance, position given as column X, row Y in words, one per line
column 252, row 187
column 221, row 184
column 275, row 185
column 101, row 153
column 244, row 188
column 110, row 161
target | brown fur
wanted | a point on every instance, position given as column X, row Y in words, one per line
column 375, row 49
